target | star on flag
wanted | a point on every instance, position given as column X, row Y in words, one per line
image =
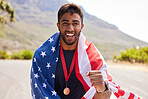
column 53, row 76
column 53, row 49
column 54, row 93
column 43, row 53
column 44, row 85
column 36, row 75
column 32, row 69
column 46, row 98
column 33, row 96
column 39, row 69
column 48, row 65
column 56, row 59
column 50, row 39
column 34, row 59
column 35, row 85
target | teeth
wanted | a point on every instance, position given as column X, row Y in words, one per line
column 70, row 34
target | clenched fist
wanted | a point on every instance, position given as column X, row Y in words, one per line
column 97, row 80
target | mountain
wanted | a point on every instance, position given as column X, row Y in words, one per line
column 36, row 22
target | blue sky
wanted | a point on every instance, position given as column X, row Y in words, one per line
column 130, row 16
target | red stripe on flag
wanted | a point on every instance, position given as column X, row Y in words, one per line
column 83, row 98
column 131, row 96
column 120, row 93
column 116, row 94
column 94, row 57
column 109, row 77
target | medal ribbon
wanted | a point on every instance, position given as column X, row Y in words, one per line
column 64, row 64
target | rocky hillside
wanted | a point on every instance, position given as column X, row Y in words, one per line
column 36, row 21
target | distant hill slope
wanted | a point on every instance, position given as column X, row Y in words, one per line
column 36, row 21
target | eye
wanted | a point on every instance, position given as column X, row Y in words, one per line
column 65, row 23
column 75, row 23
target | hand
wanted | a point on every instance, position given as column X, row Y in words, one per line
column 97, row 80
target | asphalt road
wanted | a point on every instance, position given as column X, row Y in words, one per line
column 15, row 79
column 130, row 78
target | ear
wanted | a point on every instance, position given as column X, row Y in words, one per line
column 82, row 26
column 58, row 25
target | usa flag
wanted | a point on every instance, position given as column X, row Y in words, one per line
column 88, row 58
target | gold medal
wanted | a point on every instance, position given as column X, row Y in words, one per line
column 66, row 91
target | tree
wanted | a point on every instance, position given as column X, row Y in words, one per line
column 6, row 12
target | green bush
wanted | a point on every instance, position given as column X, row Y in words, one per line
column 134, row 55
column 16, row 55
column 3, row 55
column 27, row 54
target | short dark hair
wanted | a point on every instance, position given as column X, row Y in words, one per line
column 70, row 8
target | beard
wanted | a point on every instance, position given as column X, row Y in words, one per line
column 63, row 36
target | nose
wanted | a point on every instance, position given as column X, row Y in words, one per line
column 70, row 27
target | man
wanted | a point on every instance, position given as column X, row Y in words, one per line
column 67, row 66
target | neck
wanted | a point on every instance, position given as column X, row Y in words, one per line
column 68, row 47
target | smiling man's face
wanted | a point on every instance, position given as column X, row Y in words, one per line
column 70, row 27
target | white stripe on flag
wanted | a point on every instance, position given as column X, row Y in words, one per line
column 90, row 93
column 84, row 64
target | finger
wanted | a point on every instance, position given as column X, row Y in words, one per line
column 94, row 72
column 98, row 84
column 94, row 76
column 97, row 80
column 87, row 74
